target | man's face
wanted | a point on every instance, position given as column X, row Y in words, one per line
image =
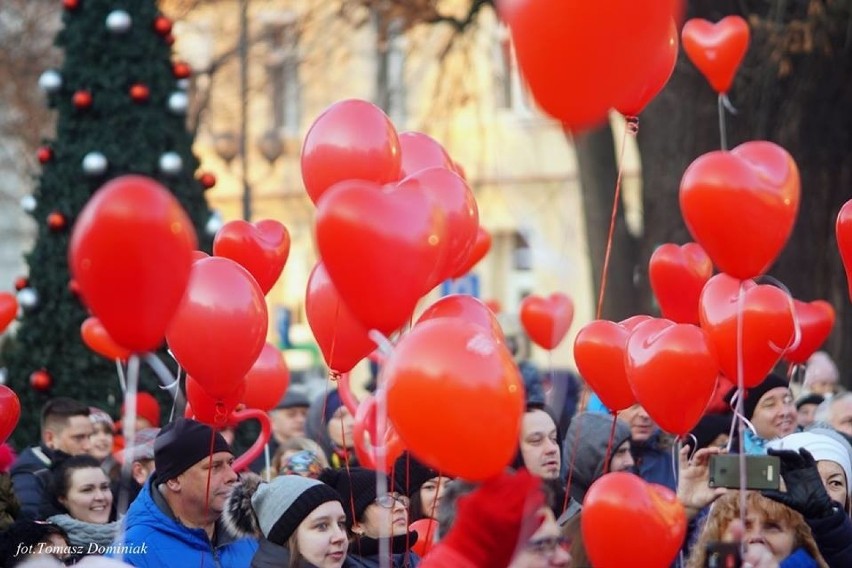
column 805, row 414
column 192, row 484
column 841, row 416
column 641, row 425
column 72, row 437
column 622, row 459
column 289, row 423
column 775, row 415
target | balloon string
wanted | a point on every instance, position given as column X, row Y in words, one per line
column 584, row 400
column 723, row 135
column 740, row 400
column 334, row 335
column 129, row 430
column 267, row 473
column 122, row 381
column 797, row 327
column 632, row 127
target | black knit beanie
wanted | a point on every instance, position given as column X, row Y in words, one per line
column 410, row 474
column 357, row 490
column 754, row 394
column 182, row 444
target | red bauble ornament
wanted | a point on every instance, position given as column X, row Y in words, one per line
column 169, row 39
column 70, row 4
column 41, row 380
column 44, row 154
column 73, row 287
column 21, row 282
column 181, row 70
column 82, row 99
column 139, row 92
column 162, row 25
column 56, row 221
column 207, row 180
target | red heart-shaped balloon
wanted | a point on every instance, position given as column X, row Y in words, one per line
column 342, row 338
column 463, row 307
column 767, row 325
column 599, row 351
column 212, row 410
column 716, row 49
column 740, row 206
column 426, row 530
column 10, row 412
column 98, row 340
column 456, row 200
column 243, row 462
column 420, row 152
column 351, row 139
column 267, row 380
column 672, row 369
column 547, row 320
column 481, row 246
column 677, row 275
column 365, row 430
column 261, row 248
column 381, row 247
column 8, row 309
column 815, row 319
column 646, row 88
column 843, row 231
column 460, row 372
column 648, row 516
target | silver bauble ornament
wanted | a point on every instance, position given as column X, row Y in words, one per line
column 118, row 21
column 28, row 203
column 50, row 81
column 183, row 84
column 171, row 163
column 4, row 375
column 178, row 102
column 94, row 164
column 214, row 223
column 28, row 298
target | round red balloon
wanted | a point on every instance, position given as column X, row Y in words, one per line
column 8, row 309
column 643, row 91
column 220, row 327
column 267, row 380
column 130, row 253
column 98, row 340
column 10, row 412
column 211, row 409
column 427, row 531
column 465, row 308
column 352, row 139
column 452, row 386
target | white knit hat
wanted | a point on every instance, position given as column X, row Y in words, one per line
column 820, row 368
column 821, row 447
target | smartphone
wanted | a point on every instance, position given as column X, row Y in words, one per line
column 762, row 472
column 723, row 555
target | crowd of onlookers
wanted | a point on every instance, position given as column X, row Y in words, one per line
column 170, row 496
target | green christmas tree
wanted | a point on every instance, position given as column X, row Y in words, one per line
column 121, row 104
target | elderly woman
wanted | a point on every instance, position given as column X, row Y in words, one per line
column 777, row 533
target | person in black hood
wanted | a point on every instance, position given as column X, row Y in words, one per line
column 585, row 450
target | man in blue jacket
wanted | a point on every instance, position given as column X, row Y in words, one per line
column 65, row 430
column 175, row 519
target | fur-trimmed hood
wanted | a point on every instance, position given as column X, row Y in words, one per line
column 239, row 517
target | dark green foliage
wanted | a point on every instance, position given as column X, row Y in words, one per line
column 132, row 136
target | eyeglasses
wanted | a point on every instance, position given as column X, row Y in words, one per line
column 548, row 545
column 388, row 500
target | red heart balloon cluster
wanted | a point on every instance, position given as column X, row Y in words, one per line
column 717, row 49
column 740, row 206
column 261, row 248
column 547, row 320
column 677, row 275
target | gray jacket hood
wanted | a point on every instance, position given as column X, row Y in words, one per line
column 593, row 429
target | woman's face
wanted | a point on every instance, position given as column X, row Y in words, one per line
column 834, row 480
column 89, row 498
column 431, row 493
column 778, row 537
column 546, row 548
column 385, row 517
column 100, row 442
column 340, row 427
column 539, row 448
column 321, row 537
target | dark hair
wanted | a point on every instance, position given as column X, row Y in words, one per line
column 64, row 469
column 60, row 409
column 25, row 533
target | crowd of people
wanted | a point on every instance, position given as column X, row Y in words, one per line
column 171, row 497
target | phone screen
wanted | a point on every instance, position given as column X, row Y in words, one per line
column 762, row 472
column 723, row 555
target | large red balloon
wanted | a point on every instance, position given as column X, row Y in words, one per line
column 351, row 139
column 98, row 340
column 672, row 369
column 648, row 515
column 677, row 275
column 717, row 49
column 267, row 380
column 261, row 248
column 420, row 152
column 452, row 386
column 456, row 201
column 220, row 327
column 10, row 412
column 463, row 307
column 481, row 246
column 581, row 58
column 8, row 309
column 767, row 326
column 342, row 338
column 658, row 75
column 547, row 320
column 740, row 206
column 380, row 247
column 843, row 230
column 599, row 351
column 130, row 253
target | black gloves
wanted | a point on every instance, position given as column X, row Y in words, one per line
column 805, row 490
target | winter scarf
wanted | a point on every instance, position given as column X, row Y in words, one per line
column 83, row 533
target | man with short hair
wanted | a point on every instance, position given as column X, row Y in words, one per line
column 175, row 519
column 65, row 430
column 837, row 412
column 141, row 458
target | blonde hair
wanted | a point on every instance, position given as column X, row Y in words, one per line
column 727, row 508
